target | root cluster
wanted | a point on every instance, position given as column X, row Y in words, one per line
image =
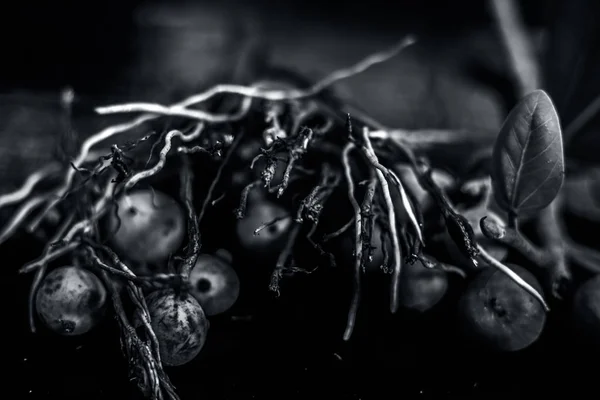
column 300, row 125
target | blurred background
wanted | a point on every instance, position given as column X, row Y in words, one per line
column 158, row 48
column 111, row 51
column 457, row 76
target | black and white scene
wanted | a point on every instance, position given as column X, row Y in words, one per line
column 252, row 199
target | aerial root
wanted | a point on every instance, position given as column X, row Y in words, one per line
column 145, row 174
column 397, row 260
column 358, row 244
column 272, row 95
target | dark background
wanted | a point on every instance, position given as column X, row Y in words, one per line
column 293, row 348
column 85, row 44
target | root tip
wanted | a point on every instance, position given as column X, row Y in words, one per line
column 347, row 336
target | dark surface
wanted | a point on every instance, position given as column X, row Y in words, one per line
column 292, row 348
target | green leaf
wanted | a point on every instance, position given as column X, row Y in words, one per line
column 528, row 158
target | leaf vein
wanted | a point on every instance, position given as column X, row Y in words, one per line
column 543, row 124
column 534, row 191
column 513, row 193
column 544, row 150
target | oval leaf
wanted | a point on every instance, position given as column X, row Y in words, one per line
column 528, row 159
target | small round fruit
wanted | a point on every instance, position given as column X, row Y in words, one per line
column 258, row 212
column 499, row 313
column 586, row 308
column 421, row 288
column 179, row 324
column 214, row 284
column 248, row 150
column 70, row 300
column 149, row 227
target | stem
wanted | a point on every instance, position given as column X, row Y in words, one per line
column 513, row 222
column 552, row 232
column 550, row 228
column 526, row 71
column 515, row 240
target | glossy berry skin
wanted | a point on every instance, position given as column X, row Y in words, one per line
column 422, row 288
column 269, row 239
column 215, row 284
column 70, row 300
column 147, row 227
column 180, row 325
column 499, row 313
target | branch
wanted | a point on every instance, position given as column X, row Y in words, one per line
column 512, row 238
column 552, row 234
column 517, row 44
